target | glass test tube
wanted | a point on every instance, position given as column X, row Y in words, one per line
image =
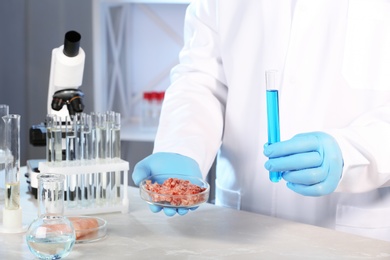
column 78, row 128
column 81, row 129
column 69, row 155
column 4, row 110
column 272, row 96
column 110, row 175
column 53, row 138
column 70, row 139
column 86, row 148
column 49, row 140
column 115, row 152
column 102, row 137
column 94, row 153
column 12, row 161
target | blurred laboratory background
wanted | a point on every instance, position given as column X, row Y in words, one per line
column 130, row 47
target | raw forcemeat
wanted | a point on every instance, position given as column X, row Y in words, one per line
column 84, row 226
column 183, row 191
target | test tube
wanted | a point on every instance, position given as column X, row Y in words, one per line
column 86, row 143
column 53, row 138
column 79, row 128
column 115, row 152
column 57, row 139
column 94, row 153
column 272, row 96
column 4, row 110
column 70, row 139
column 12, row 162
column 49, row 139
column 102, row 137
column 12, row 211
column 110, row 175
column 72, row 154
column 69, row 152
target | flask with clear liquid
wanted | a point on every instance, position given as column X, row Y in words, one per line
column 51, row 235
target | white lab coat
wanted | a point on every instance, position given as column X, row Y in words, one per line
column 334, row 56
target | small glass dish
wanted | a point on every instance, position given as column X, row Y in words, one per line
column 169, row 197
column 85, row 233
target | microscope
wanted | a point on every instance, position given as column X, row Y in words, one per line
column 65, row 99
column 66, row 76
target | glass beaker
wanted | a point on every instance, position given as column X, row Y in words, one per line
column 4, row 110
column 51, row 235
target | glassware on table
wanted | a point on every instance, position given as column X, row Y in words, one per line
column 272, row 95
column 12, row 211
column 4, row 110
column 51, row 235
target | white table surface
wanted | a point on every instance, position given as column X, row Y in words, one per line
column 210, row 232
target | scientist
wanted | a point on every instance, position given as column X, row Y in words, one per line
column 334, row 59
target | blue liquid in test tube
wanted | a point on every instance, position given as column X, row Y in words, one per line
column 272, row 96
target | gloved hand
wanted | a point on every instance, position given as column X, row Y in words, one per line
column 166, row 163
column 311, row 163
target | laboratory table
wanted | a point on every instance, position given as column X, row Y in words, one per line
column 210, row 232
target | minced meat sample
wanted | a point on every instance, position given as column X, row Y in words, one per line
column 175, row 186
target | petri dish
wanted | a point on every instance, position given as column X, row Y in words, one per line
column 89, row 233
column 181, row 192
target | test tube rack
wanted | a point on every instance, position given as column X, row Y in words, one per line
column 92, row 186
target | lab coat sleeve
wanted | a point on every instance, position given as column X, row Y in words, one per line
column 191, row 121
column 365, row 146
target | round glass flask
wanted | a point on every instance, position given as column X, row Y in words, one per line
column 51, row 235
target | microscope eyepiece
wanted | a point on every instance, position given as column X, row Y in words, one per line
column 72, row 43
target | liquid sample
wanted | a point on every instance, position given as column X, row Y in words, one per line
column 70, row 147
column 54, row 144
column 101, row 135
column 102, row 140
column 50, row 247
column 57, row 138
column 273, row 125
column 116, row 153
column 86, row 146
column 2, row 174
column 115, row 143
column 12, row 192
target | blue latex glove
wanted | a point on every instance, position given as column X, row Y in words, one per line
column 166, row 163
column 311, row 163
